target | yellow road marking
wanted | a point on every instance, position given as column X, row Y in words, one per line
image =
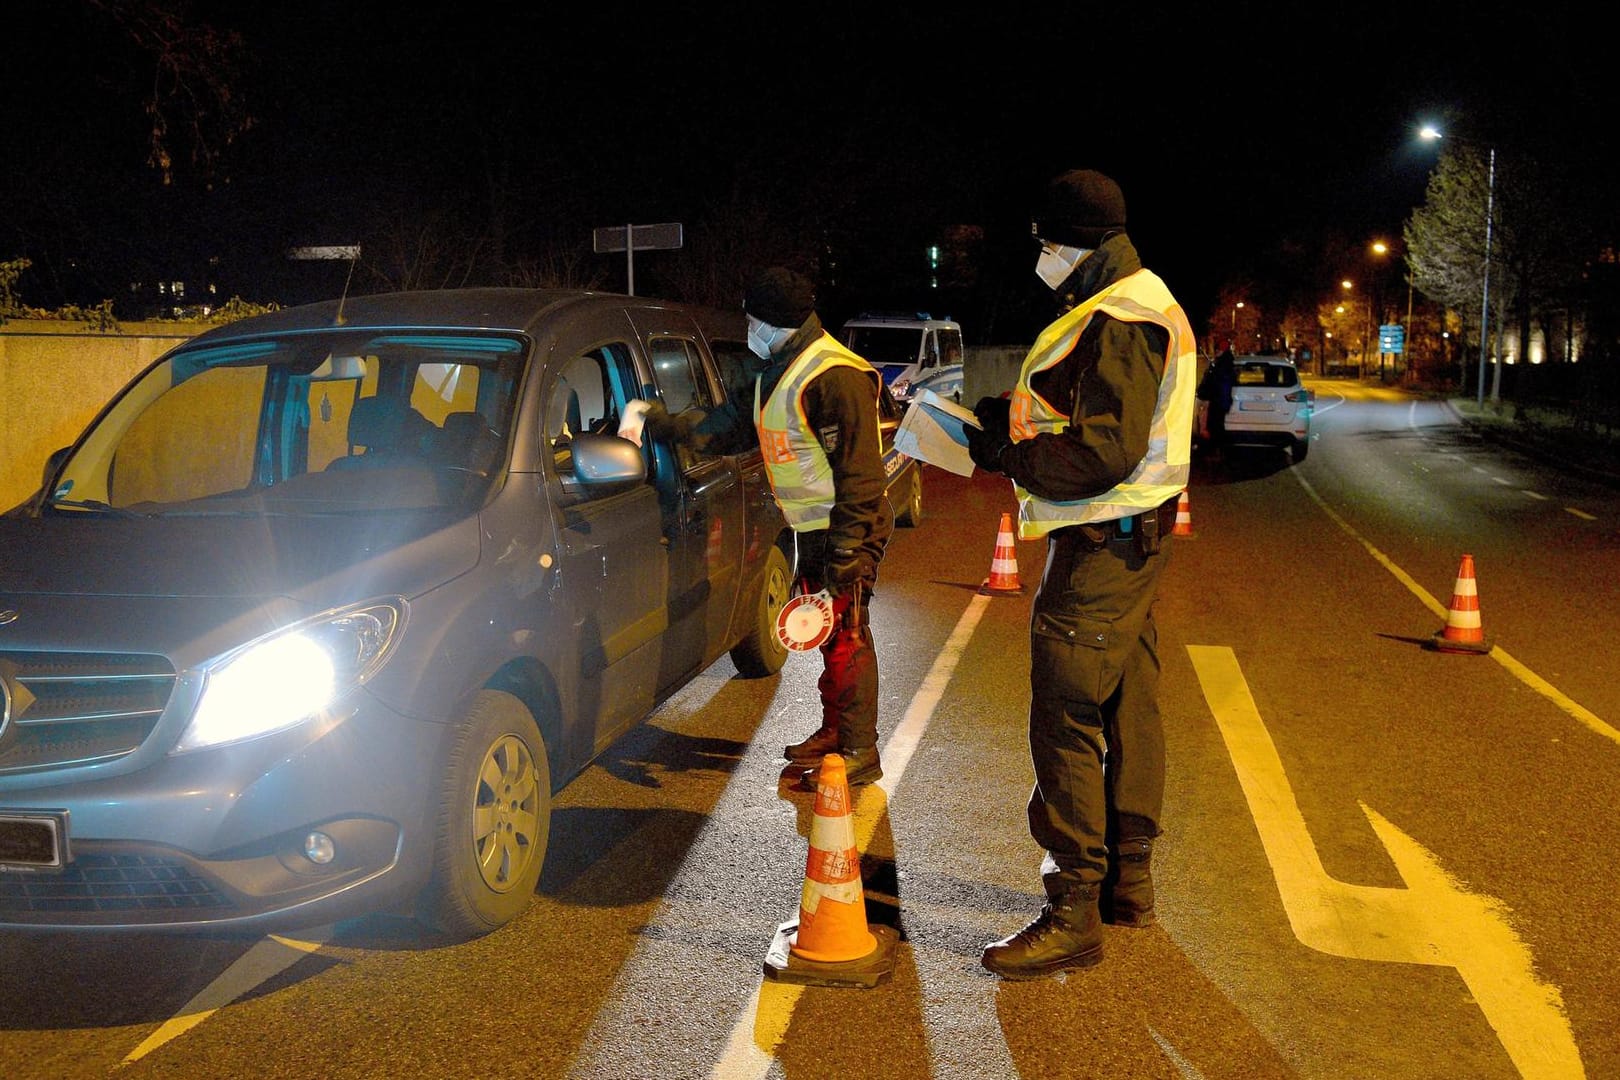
column 1535, row 682
column 1433, row 920
column 265, row 960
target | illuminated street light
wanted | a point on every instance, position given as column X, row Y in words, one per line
column 1431, row 133
column 1234, row 316
column 1381, row 248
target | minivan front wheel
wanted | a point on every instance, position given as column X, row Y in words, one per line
column 494, row 820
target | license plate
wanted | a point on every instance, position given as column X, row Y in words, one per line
column 1255, row 406
column 33, row 841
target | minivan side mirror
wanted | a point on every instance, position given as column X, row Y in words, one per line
column 604, row 463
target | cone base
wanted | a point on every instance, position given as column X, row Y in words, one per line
column 988, row 589
column 1441, row 643
column 873, row 969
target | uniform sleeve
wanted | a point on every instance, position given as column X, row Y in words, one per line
column 1109, row 385
column 841, row 405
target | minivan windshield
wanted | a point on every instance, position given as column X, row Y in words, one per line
column 306, row 423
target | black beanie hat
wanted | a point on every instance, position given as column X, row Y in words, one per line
column 1081, row 207
column 780, row 297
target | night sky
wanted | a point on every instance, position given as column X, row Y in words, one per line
column 1233, row 129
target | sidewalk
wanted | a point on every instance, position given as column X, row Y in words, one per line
column 1546, row 434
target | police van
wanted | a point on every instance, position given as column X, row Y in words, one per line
column 911, row 349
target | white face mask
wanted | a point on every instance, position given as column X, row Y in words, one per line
column 1057, row 262
column 764, row 339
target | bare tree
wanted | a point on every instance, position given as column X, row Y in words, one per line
column 194, row 103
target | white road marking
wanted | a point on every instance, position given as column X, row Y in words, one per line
column 1582, row 514
column 1433, row 920
column 264, row 961
column 762, row 1026
column 1536, row 495
column 1187, row 1069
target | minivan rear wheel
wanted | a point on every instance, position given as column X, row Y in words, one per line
column 1299, row 449
column 494, row 820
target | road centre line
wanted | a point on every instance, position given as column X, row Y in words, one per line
column 762, row 1026
column 1433, row 920
column 1536, row 495
column 1582, row 514
column 1535, row 682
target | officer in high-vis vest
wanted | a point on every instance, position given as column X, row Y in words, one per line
column 1096, row 437
column 816, row 411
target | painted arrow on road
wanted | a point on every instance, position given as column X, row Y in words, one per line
column 1434, row 920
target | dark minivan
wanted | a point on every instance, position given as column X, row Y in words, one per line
column 318, row 613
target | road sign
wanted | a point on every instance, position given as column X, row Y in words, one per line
column 644, row 237
column 1392, row 338
column 641, row 238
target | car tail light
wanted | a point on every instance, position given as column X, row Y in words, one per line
column 1298, row 396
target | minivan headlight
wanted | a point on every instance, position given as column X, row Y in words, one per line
column 291, row 675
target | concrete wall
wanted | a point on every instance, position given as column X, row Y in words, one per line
column 54, row 377
column 990, row 370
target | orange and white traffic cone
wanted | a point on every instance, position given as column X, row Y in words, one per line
column 1463, row 631
column 1003, row 579
column 1183, row 516
column 831, row 943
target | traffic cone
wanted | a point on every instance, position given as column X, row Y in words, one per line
column 1003, row 579
column 830, row 944
column 1183, row 516
column 1462, row 632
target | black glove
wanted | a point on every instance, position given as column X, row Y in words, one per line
column 986, row 448
column 995, row 416
column 846, row 568
column 659, row 424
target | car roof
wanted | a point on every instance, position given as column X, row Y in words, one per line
column 506, row 309
column 918, row 319
column 1264, row 358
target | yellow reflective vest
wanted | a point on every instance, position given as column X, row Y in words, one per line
column 1163, row 472
column 797, row 466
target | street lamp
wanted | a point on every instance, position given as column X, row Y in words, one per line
column 1429, row 132
column 1234, row 316
column 1381, row 249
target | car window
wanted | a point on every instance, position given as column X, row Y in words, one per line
column 586, row 399
column 677, row 368
column 1264, row 374
column 737, row 366
column 678, row 372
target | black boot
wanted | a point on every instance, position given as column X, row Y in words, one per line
column 816, row 747
column 1127, row 897
column 860, row 766
column 1066, row 934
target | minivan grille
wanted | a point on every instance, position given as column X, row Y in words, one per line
column 109, row 883
column 79, row 708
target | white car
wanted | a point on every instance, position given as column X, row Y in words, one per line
column 908, row 349
column 1270, row 406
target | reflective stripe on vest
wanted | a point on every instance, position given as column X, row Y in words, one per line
column 1162, row 474
column 796, row 465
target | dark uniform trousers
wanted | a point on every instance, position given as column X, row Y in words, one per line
column 1094, row 726
column 849, row 675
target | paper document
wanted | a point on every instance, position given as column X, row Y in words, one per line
column 935, row 430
